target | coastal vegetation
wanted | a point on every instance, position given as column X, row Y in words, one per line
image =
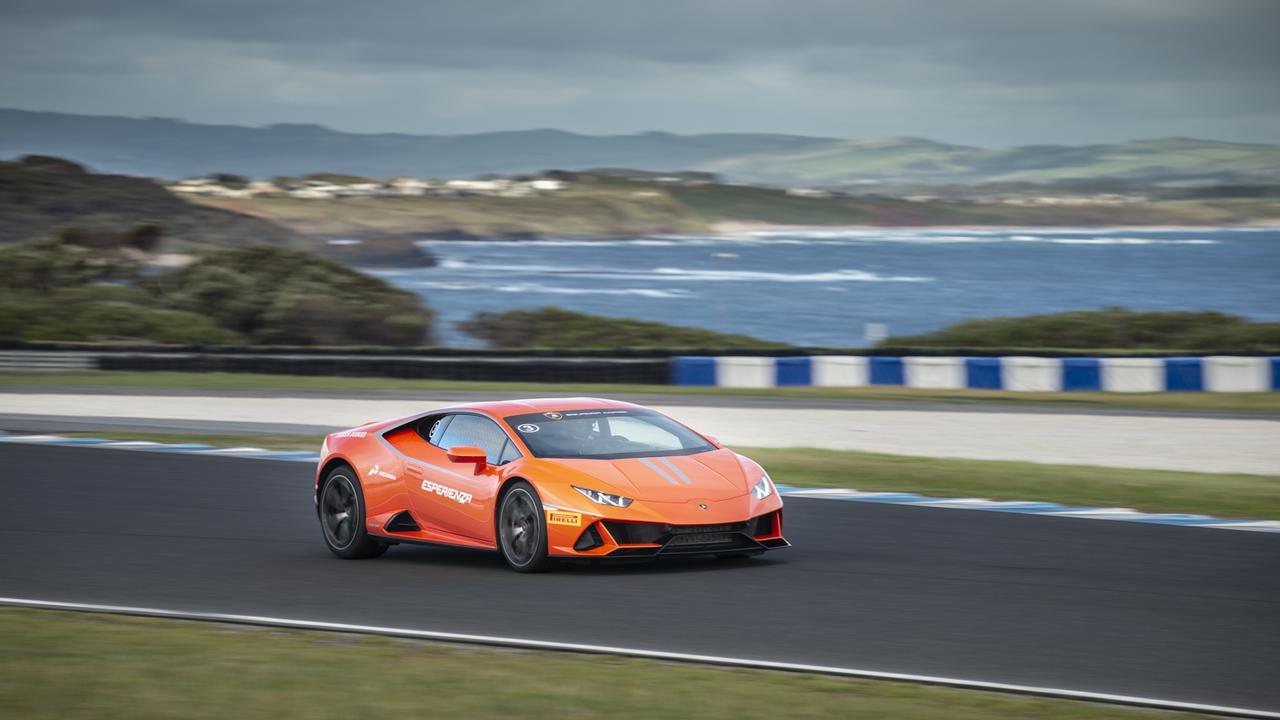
column 98, row 285
column 551, row 327
column 617, row 204
column 40, row 194
column 1112, row 328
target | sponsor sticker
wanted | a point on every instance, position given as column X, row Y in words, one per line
column 594, row 413
column 527, row 428
column 562, row 517
column 377, row 471
column 553, row 415
column 351, row 434
column 454, row 494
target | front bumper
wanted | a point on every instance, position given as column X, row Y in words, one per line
column 618, row 539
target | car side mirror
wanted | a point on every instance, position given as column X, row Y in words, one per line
column 469, row 454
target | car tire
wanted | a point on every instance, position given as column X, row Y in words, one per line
column 342, row 516
column 522, row 529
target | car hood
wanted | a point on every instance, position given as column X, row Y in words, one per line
column 714, row 475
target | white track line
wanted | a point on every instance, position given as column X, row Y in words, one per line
column 635, row 652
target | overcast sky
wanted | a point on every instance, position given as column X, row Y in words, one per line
column 983, row 72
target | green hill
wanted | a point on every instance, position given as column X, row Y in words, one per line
column 915, row 160
column 40, row 195
column 1113, row 328
column 171, row 148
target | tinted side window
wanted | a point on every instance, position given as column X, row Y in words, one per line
column 509, row 453
column 433, row 429
column 473, row 430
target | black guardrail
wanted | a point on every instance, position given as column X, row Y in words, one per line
column 638, row 371
column 612, row 354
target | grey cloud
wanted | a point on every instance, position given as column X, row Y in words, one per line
column 989, row 72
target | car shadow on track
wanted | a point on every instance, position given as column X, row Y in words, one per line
column 487, row 560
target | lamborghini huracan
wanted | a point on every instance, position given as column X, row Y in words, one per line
column 543, row 480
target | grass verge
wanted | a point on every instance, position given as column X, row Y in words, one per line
column 69, row 665
column 1245, row 496
column 1268, row 402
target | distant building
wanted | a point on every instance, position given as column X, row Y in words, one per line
column 311, row 193
column 262, row 187
column 313, row 189
column 409, row 186
column 808, row 192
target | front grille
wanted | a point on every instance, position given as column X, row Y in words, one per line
column 698, row 529
column 690, row 538
column 630, row 533
column 709, row 538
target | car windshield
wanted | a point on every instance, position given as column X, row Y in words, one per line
column 605, row 434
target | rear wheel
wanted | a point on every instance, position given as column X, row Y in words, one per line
column 522, row 529
column 342, row 517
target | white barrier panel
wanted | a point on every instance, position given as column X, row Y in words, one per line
column 745, row 372
column 1031, row 374
column 1132, row 374
column 934, row 372
column 839, row 370
column 1237, row 374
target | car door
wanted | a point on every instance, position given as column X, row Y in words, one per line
column 456, row 497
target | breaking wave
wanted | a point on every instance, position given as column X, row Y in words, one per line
column 683, row 274
column 539, row 288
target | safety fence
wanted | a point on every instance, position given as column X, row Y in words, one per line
column 1029, row 374
column 475, row 367
column 1216, row 373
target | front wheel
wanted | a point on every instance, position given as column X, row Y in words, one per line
column 522, row 529
column 342, row 517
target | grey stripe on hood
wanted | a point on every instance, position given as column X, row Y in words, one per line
column 679, row 473
column 660, row 471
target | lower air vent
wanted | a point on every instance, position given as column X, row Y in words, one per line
column 589, row 539
column 402, row 522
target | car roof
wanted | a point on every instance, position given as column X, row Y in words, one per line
column 506, row 408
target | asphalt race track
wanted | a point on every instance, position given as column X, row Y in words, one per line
column 1181, row 614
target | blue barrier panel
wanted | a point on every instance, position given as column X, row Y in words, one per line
column 1275, row 373
column 1081, row 374
column 1183, row 374
column 793, row 371
column 885, row 370
column 982, row 373
column 693, row 370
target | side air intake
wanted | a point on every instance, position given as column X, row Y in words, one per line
column 402, row 522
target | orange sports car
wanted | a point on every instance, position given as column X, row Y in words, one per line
column 543, row 479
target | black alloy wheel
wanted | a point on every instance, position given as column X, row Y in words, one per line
column 341, row 513
column 522, row 530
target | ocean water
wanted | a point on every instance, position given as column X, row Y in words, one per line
column 821, row 288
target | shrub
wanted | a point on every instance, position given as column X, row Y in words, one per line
column 552, row 327
column 90, row 286
column 280, row 296
column 1116, row 328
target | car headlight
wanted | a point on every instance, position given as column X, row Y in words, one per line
column 603, row 498
column 763, row 488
